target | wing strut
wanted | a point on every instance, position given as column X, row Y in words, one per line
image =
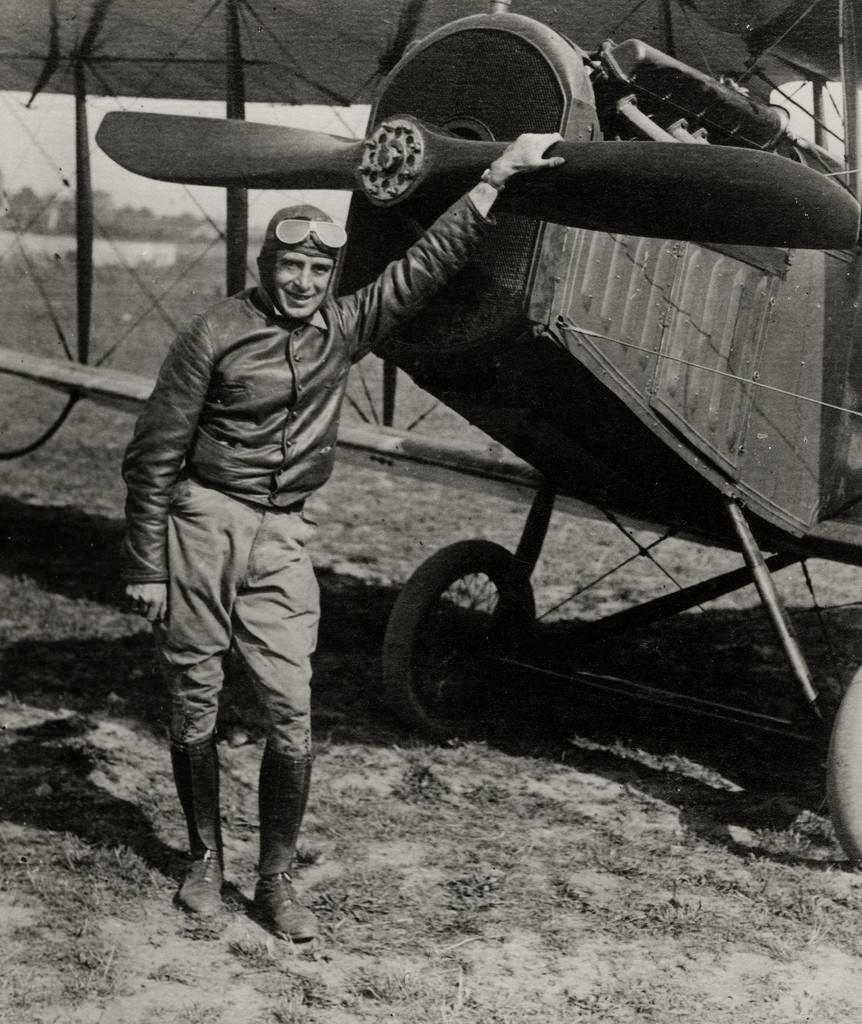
column 775, row 609
column 236, row 226
column 83, row 214
column 851, row 16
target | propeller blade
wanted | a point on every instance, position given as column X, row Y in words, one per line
column 719, row 194
column 212, row 151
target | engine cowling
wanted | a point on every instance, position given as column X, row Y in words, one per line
column 488, row 77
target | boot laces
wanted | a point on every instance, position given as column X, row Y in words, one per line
column 207, row 867
column 282, row 888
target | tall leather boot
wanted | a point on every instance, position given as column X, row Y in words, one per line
column 282, row 796
column 196, row 774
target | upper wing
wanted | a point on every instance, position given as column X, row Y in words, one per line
column 333, row 51
column 293, row 51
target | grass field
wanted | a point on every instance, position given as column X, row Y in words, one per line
column 589, row 860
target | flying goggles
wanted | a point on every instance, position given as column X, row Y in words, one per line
column 292, row 232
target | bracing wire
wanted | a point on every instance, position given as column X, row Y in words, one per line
column 208, row 13
column 45, row 436
column 570, row 327
column 291, row 61
column 155, row 300
column 600, row 578
column 696, row 38
column 422, row 416
column 12, row 109
column 110, row 94
column 629, row 14
column 40, row 286
column 644, row 550
column 354, row 405
column 368, row 398
column 825, row 632
column 759, row 73
column 768, row 47
column 248, row 13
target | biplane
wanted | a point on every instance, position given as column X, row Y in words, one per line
column 664, row 328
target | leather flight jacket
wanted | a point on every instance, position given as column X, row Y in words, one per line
column 248, row 401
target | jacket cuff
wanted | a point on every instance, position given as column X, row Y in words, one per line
column 490, row 220
column 132, row 577
column 135, row 569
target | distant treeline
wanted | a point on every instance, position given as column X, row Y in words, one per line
column 26, row 211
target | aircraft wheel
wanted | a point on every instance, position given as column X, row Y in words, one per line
column 462, row 607
column 844, row 771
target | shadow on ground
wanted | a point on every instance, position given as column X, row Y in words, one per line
column 715, row 654
column 64, row 550
column 46, row 785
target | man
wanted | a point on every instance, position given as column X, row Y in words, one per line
column 240, row 429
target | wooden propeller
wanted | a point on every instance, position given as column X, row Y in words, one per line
column 718, row 194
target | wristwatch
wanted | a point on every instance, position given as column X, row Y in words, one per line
column 486, row 177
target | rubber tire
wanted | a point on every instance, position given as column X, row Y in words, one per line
column 407, row 630
column 844, row 771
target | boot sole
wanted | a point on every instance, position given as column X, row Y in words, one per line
column 265, row 921
column 199, row 911
column 306, row 937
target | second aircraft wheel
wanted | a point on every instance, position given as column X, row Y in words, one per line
column 844, row 771
column 460, row 609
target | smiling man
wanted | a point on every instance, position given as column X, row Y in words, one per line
column 240, row 429
column 299, row 274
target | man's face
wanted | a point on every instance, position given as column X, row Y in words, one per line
column 301, row 281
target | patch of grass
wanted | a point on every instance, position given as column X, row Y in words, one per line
column 203, row 929
column 26, row 980
column 99, row 881
column 367, row 908
column 197, row 1013
column 421, row 783
column 101, row 969
column 487, row 794
column 296, row 998
column 255, row 953
column 472, row 897
column 72, row 968
column 414, row 995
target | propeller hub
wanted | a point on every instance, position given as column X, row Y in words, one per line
column 392, row 159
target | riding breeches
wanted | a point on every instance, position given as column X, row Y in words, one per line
column 239, row 575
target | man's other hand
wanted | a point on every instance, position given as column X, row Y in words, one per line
column 148, row 599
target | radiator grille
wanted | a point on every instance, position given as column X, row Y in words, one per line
column 505, row 83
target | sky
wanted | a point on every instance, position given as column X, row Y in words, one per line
column 38, row 149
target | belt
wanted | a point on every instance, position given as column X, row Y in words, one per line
column 255, row 503
column 296, row 507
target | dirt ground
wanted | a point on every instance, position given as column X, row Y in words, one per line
column 590, row 859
